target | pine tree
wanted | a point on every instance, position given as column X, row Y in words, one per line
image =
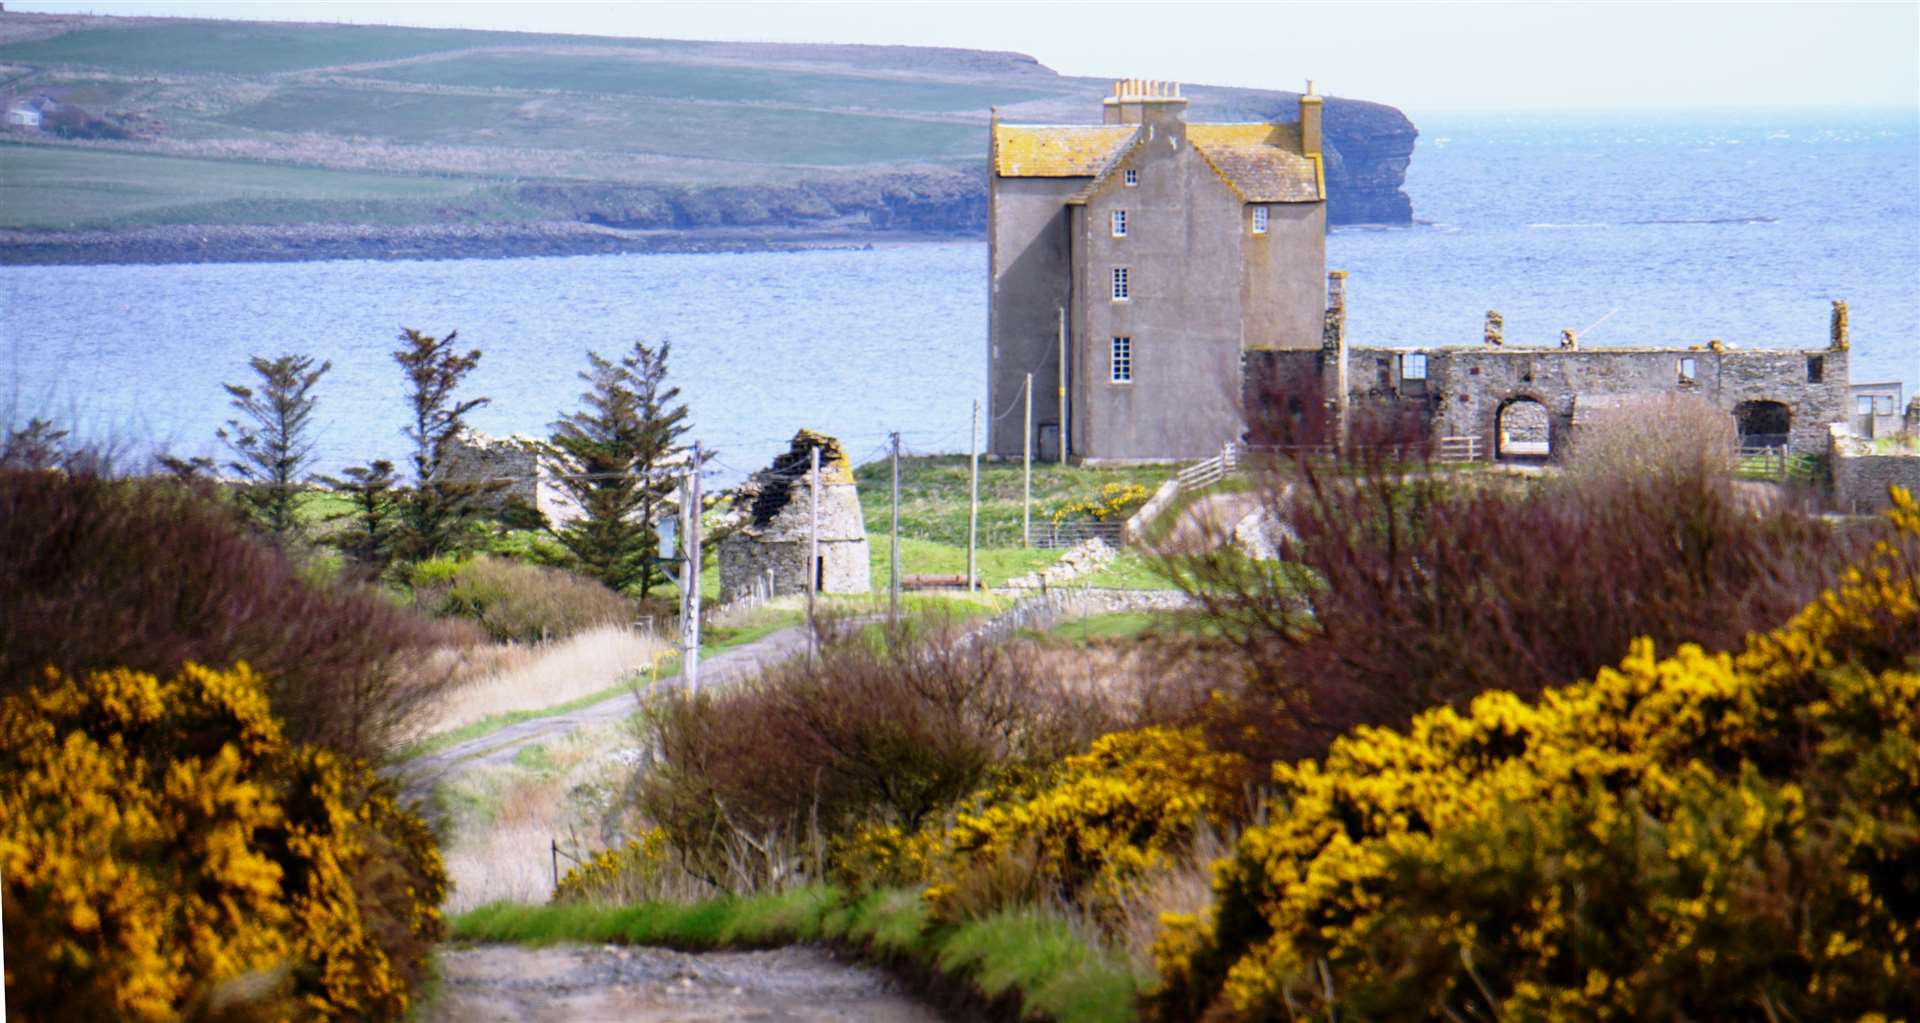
column 270, row 439
column 434, row 511
column 369, row 541
column 611, row 459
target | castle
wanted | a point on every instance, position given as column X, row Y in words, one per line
column 1133, row 263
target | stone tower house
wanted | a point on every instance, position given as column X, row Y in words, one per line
column 773, row 538
column 1156, row 253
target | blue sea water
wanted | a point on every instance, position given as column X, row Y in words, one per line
column 1628, row 228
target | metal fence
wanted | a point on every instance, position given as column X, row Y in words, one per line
column 1053, row 535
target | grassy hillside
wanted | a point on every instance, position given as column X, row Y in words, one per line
column 64, row 188
column 642, row 133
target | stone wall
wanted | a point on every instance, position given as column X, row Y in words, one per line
column 510, row 462
column 776, row 522
column 1862, row 471
column 1466, row 390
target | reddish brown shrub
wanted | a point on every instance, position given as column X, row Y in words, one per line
column 1401, row 588
column 98, row 572
column 891, row 731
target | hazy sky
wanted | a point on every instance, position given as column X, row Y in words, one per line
column 1427, row 56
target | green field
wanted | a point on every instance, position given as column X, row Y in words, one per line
column 665, row 128
column 641, row 77
column 933, row 495
column 253, row 48
column 62, row 188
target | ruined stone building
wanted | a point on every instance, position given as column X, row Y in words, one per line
column 1155, row 253
column 1517, row 401
column 775, row 521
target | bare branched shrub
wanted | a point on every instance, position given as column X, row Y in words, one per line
column 98, row 572
column 889, row 730
column 1671, row 434
column 1402, row 586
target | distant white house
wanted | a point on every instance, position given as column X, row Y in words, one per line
column 20, row 115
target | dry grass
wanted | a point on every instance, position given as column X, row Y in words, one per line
column 503, row 820
column 509, row 677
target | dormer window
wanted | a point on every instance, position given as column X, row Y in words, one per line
column 1259, row 220
column 1121, row 291
column 1133, row 177
column 1119, row 223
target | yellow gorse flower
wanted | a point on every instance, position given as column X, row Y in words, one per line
column 160, row 840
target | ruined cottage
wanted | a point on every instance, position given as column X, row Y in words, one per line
column 1133, row 262
column 770, row 544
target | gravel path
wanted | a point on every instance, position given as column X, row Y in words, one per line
column 511, row 984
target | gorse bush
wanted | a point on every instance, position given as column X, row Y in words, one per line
column 166, row 851
column 100, row 573
column 631, row 873
column 1702, row 835
column 516, row 602
column 1105, row 820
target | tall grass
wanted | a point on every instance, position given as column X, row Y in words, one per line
column 522, row 677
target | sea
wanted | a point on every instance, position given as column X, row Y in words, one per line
column 1630, row 228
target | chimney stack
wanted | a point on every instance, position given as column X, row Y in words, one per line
column 1310, row 121
column 1143, row 101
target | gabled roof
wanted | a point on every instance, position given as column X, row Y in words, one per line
column 1260, row 162
column 1057, row 150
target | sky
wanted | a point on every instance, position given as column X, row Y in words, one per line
column 1422, row 57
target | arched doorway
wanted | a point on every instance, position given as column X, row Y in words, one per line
column 1523, row 431
column 1763, row 424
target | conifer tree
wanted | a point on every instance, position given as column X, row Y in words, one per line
column 369, row 540
column 270, row 439
column 610, row 457
column 436, row 508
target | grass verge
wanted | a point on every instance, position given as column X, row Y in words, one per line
column 1030, row 959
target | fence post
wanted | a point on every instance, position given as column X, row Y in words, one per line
column 554, row 843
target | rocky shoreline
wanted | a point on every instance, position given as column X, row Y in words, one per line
column 315, row 242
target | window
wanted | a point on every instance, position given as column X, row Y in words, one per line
column 1259, row 220
column 1816, row 368
column 1413, row 366
column 1122, row 370
column 1863, row 405
column 1119, row 223
column 1120, row 290
column 1688, row 367
column 1883, row 405
column 1133, row 177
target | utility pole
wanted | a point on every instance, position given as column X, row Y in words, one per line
column 1063, row 387
column 1026, row 460
column 689, row 586
column 813, row 540
column 894, row 591
column 973, row 491
column 692, row 662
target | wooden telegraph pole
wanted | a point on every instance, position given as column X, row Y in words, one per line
column 692, row 661
column 813, row 539
column 1026, row 460
column 973, row 491
column 894, row 591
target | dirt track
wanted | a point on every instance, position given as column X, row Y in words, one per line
column 511, row 984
